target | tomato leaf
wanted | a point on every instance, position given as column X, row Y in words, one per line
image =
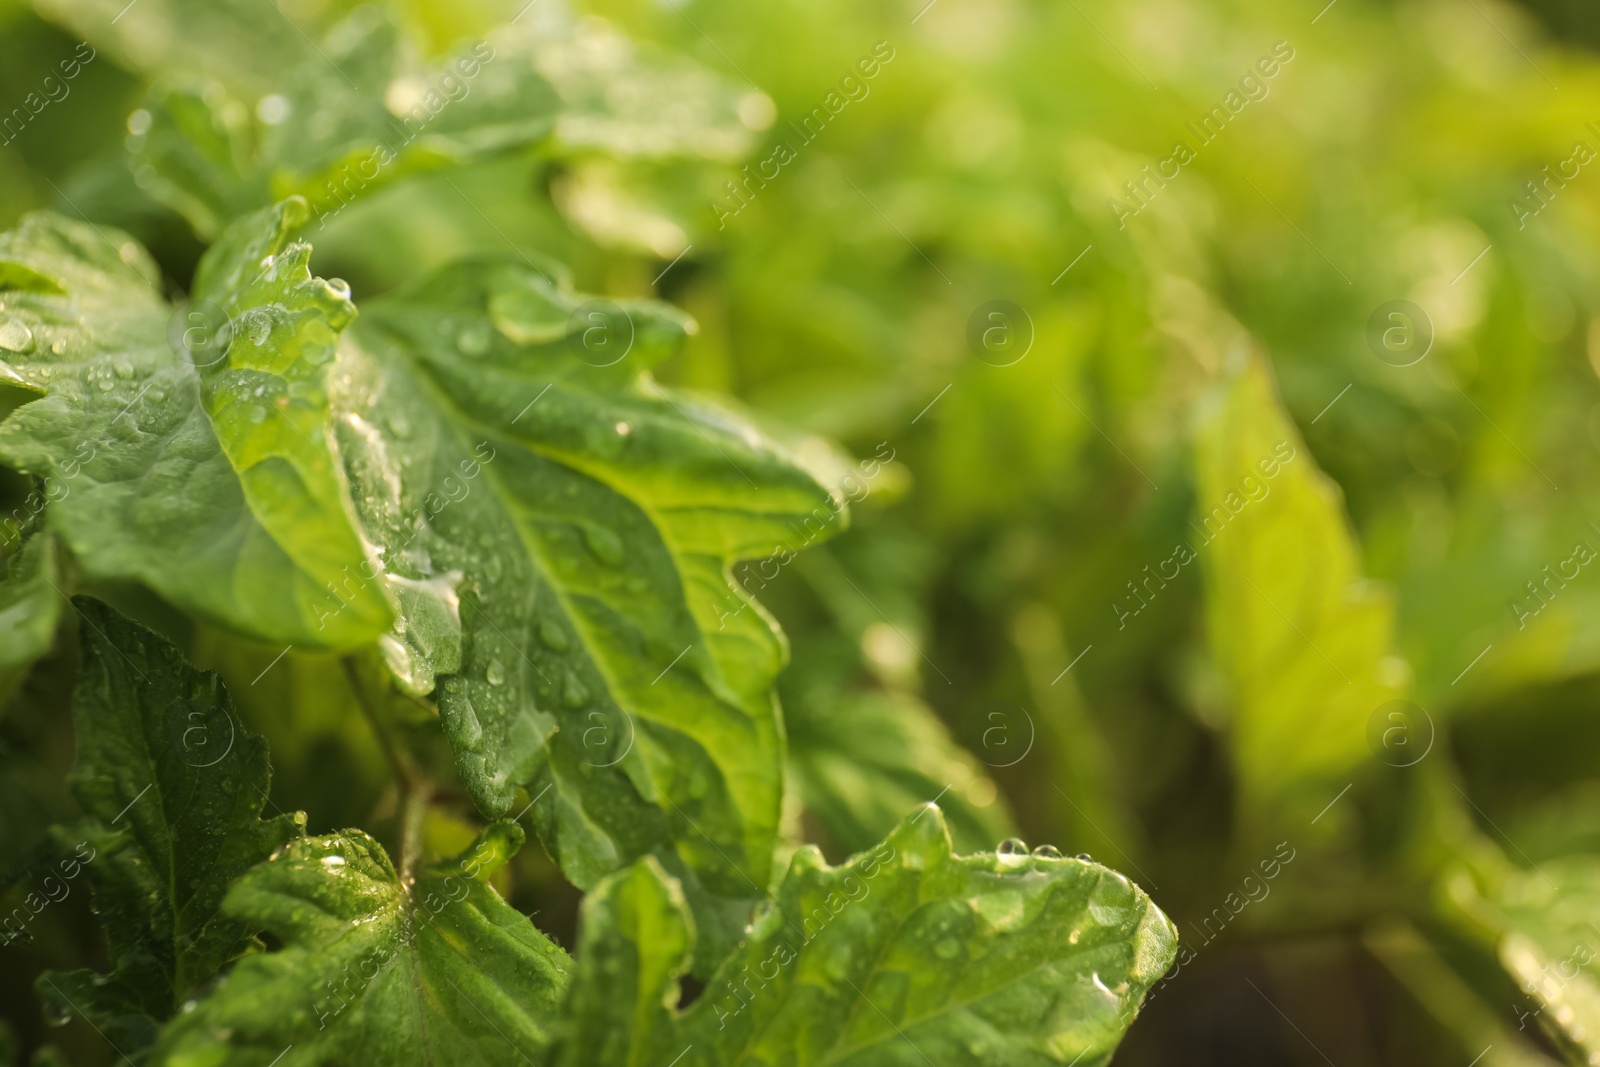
column 30, row 600
column 190, row 449
column 1542, row 924
column 632, row 100
column 586, row 518
column 173, row 787
column 374, row 970
column 360, row 111
column 350, row 118
column 1303, row 640
column 907, row 954
column 862, row 760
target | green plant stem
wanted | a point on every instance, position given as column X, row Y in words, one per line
column 416, row 790
column 413, row 809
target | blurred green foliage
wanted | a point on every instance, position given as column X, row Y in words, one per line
column 1422, row 545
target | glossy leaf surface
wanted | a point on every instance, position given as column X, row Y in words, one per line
column 190, row 445
column 531, row 486
column 173, row 788
column 437, row 971
column 905, row 954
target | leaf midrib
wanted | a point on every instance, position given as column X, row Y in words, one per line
column 458, row 421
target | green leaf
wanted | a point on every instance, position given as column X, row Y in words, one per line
column 353, row 116
column 172, row 787
column 1303, row 641
column 907, row 954
column 637, row 937
column 192, row 448
column 634, row 100
column 228, row 39
column 30, row 600
column 1454, row 1003
column 197, row 154
column 862, row 760
column 376, row 969
column 586, row 518
column 1545, row 927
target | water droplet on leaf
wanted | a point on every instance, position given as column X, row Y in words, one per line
column 552, row 635
column 574, row 694
column 606, row 545
column 15, row 335
column 1013, row 846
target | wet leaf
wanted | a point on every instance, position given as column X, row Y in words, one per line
column 437, row 970
column 30, row 598
column 173, row 788
column 190, row 445
column 863, row 760
column 905, row 954
column 510, row 453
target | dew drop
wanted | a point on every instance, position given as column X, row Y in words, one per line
column 947, row 948
column 15, row 335
column 1047, row 852
column 1013, row 846
column 1085, row 857
column 552, row 636
column 496, row 673
column 340, row 287
column 606, row 545
column 574, row 694
column 469, row 731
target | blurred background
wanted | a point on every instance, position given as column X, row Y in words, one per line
column 1058, row 276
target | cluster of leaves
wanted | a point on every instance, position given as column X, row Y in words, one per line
column 988, row 958
column 1238, row 670
column 474, row 500
column 1163, row 578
